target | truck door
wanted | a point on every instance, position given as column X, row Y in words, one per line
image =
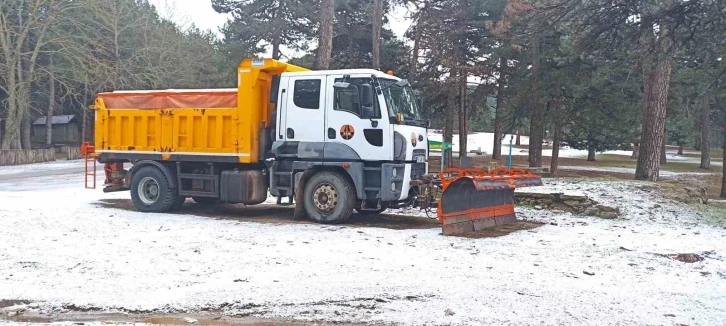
column 304, row 109
column 369, row 137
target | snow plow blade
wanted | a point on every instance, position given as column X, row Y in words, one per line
column 473, row 199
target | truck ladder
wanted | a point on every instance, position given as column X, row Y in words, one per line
column 89, row 163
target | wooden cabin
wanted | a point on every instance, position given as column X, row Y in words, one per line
column 66, row 130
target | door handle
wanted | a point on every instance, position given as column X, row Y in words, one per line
column 290, row 133
column 331, row 133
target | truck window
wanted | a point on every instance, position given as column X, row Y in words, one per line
column 348, row 99
column 307, row 94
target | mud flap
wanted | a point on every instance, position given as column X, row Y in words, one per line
column 475, row 200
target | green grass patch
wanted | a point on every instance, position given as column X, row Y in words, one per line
column 715, row 216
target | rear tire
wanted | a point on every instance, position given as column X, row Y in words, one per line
column 329, row 197
column 205, row 201
column 151, row 192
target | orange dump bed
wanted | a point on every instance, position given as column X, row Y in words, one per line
column 204, row 124
column 171, row 99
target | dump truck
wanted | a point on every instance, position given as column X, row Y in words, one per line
column 328, row 142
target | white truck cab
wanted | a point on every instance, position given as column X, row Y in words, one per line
column 360, row 124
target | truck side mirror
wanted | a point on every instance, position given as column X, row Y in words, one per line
column 366, row 101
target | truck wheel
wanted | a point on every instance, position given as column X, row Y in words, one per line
column 151, row 192
column 205, row 201
column 384, row 207
column 329, row 197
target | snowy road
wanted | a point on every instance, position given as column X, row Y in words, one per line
column 64, row 247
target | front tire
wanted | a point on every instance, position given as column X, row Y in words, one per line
column 329, row 197
column 151, row 192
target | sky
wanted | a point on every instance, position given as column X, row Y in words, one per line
column 200, row 13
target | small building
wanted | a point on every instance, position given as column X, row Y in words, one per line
column 66, row 130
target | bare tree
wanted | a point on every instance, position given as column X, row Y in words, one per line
column 24, row 35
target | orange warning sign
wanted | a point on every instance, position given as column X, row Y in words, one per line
column 347, row 132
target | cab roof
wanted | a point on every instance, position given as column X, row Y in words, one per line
column 368, row 72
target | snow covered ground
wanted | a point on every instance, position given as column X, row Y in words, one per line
column 40, row 168
column 62, row 247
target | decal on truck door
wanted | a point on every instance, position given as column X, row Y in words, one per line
column 347, row 132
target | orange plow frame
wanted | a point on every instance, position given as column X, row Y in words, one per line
column 473, row 199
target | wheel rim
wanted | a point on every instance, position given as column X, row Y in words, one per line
column 148, row 190
column 325, row 198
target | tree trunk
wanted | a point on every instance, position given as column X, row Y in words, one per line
column 277, row 35
column 723, row 147
column 416, row 47
column 11, row 138
column 12, row 123
column 536, row 132
column 463, row 128
column 51, row 104
column 461, row 50
column 697, row 143
column 25, row 128
column 84, row 123
column 657, row 64
column 325, row 41
column 663, row 158
column 554, row 164
column 518, row 140
column 377, row 20
column 276, row 48
column 680, row 150
column 499, row 110
column 449, row 116
column 351, row 56
column 591, row 153
column 636, row 150
column 536, row 121
column 706, row 131
column 84, row 112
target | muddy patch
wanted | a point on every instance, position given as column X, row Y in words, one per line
column 281, row 215
column 10, row 303
column 284, row 215
column 502, row 230
column 161, row 319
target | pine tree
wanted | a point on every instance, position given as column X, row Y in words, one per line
column 277, row 22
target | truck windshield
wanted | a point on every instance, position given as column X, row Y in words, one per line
column 400, row 100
